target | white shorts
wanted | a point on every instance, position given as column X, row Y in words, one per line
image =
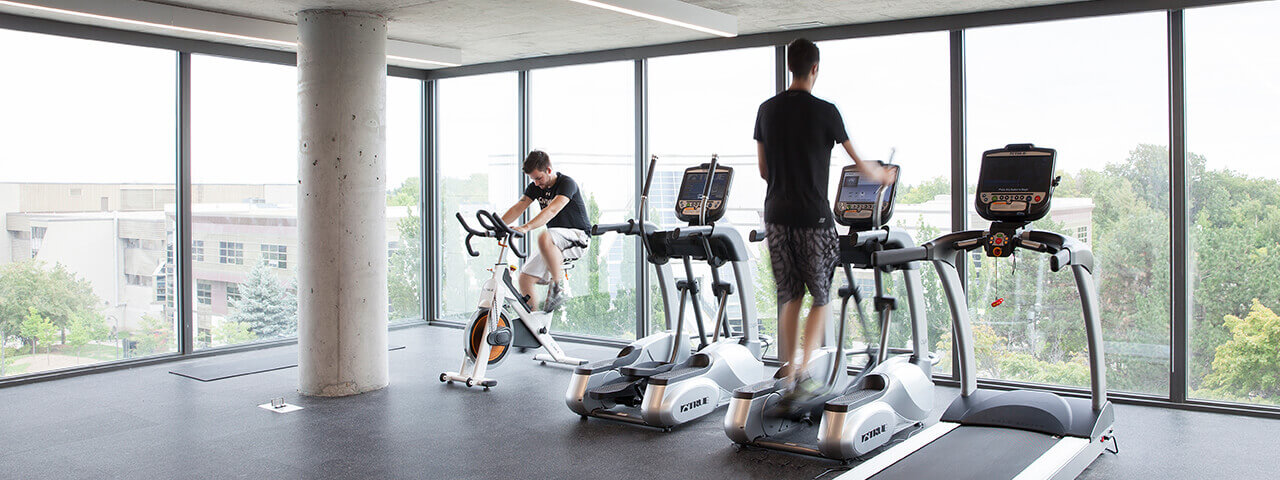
column 572, row 244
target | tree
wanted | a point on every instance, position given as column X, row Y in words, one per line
column 404, row 195
column 268, row 308
column 1247, row 367
column 923, row 192
column 39, row 330
column 232, row 333
column 84, row 330
column 404, row 275
column 55, row 293
column 154, row 335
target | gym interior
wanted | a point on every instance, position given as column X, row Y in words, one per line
column 290, row 239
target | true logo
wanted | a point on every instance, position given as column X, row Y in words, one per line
column 873, row 433
column 694, row 404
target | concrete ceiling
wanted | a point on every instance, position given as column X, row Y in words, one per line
column 496, row 30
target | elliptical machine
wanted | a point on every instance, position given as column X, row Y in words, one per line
column 854, row 414
column 670, row 391
column 488, row 338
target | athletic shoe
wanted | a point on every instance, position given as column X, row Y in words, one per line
column 555, row 297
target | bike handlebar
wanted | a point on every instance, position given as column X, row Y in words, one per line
column 494, row 227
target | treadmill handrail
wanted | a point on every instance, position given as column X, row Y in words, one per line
column 1065, row 251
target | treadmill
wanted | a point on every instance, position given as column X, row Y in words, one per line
column 1019, row 434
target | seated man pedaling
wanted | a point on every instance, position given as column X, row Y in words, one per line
column 568, row 228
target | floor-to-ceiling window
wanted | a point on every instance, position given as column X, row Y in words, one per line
column 477, row 165
column 404, row 223
column 893, row 93
column 1233, row 94
column 244, row 212
column 584, row 117
column 1096, row 90
column 700, row 105
column 86, row 201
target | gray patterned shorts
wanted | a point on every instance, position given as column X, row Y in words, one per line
column 802, row 258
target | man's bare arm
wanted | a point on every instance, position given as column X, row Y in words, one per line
column 552, row 209
column 514, row 212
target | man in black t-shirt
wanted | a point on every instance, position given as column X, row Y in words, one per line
column 565, row 215
column 795, row 132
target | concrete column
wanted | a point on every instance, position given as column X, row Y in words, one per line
column 342, row 272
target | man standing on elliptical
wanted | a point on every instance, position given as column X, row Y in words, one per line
column 795, row 132
column 568, row 229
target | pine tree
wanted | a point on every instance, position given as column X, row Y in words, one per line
column 267, row 307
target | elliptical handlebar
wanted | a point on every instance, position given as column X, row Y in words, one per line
column 899, row 256
column 757, row 235
column 626, row 228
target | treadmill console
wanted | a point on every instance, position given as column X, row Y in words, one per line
column 689, row 201
column 856, row 198
column 1016, row 183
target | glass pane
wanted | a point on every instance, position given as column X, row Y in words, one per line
column 1096, row 92
column 404, row 224
column 583, row 117
column 686, row 126
column 894, row 95
column 478, row 132
column 1232, row 97
column 86, row 202
column 244, row 174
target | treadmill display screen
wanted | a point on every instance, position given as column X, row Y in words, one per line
column 695, row 182
column 854, row 189
column 1016, row 174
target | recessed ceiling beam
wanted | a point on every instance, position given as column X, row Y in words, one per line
column 673, row 12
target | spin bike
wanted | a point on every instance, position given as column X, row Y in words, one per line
column 853, row 415
column 489, row 338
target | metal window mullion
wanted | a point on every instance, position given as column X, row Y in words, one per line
column 779, row 68
column 1180, row 330
column 182, row 253
column 523, row 145
column 959, row 171
column 641, row 162
column 428, row 204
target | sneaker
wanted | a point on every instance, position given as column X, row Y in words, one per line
column 793, row 402
column 555, row 297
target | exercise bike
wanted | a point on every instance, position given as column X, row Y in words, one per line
column 489, row 338
column 856, row 414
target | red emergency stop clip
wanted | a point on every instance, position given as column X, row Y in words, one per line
column 997, row 302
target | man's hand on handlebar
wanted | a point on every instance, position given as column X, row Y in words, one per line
column 877, row 173
column 521, row 228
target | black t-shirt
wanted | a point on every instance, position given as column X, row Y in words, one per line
column 573, row 215
column 798, row 131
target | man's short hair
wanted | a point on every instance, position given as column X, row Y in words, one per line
column 802, row 55
column 537, row 160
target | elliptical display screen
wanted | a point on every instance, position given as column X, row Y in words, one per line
column 856, row 198
column 1015, row 183
column 689, row 202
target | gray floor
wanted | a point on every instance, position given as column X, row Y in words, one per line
column 146, row 423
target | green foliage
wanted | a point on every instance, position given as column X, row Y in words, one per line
column 404, row 273
column 404, row 195
column 268, row 308
column 232, row 333
column 923, row 192
column 57, row 294
column 38, row 331
column 86, row 329
column 153, row 336
column 1247, row 367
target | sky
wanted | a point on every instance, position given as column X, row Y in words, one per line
column 81, row 111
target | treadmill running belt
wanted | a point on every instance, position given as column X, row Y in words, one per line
column 978, row 453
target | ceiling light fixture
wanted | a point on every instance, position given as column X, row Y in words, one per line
column 673, row 12
column 243, row 30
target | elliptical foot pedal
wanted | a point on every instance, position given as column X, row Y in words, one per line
column 622, row 389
